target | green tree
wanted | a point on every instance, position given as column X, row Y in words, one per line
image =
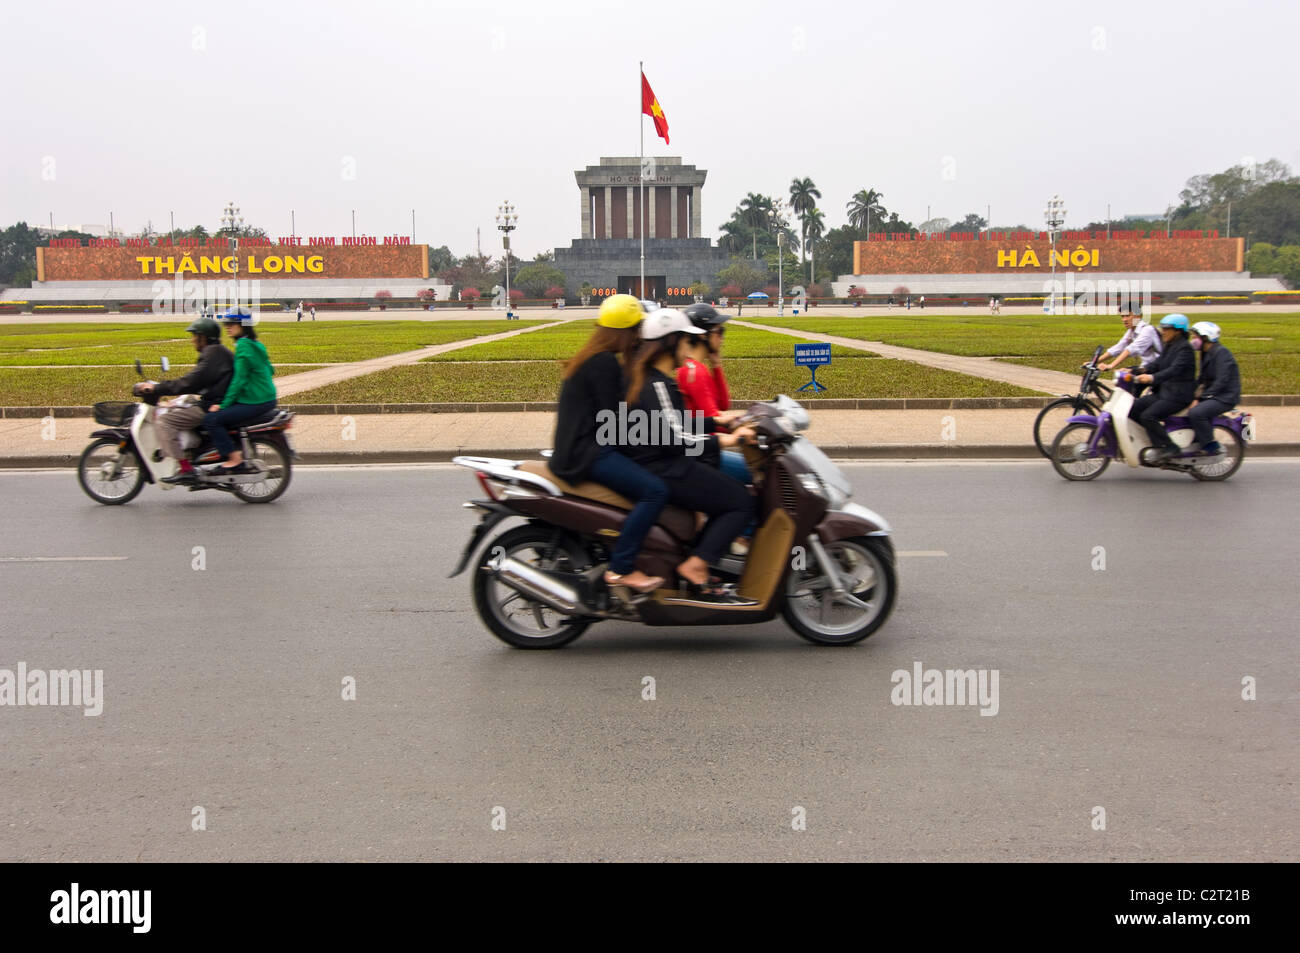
column 534, row 279
column 835, row 251
column 441, row 258
column 18, row 254
column 859, row 207
column 803, row 200
column 743, row 275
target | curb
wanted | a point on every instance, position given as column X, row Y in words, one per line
column 861, row 403
column 874, row 452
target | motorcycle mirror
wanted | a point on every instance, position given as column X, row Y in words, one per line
column 166, row 364
column 139, row 369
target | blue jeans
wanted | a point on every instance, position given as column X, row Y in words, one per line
column 732, row 463
column 621, row 475
column 217, row 421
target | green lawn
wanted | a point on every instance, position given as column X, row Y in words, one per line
column 321, row 342
column 75, row 386
column 749, row 379
column 1267, row 347
column 563, row 341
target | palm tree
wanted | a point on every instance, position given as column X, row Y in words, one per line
column 803, row 199
column 756, row 209
column 859, row 207
column 814, row 227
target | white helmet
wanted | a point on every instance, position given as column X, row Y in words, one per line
column 665, row 321
column 1207, row 329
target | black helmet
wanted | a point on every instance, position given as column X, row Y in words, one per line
column 205, row 326
column 704, row 316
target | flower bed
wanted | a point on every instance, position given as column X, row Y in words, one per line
column 69, row 308
column 1212, row 299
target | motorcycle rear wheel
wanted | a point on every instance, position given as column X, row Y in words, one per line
column 103, row 459
column 868, row 564
column 279, row 471
column 1234, row 452
column 511, row 616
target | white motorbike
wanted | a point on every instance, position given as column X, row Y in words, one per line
column 1087, row 443
column 114, row 468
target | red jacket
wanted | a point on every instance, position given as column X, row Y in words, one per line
column 704, row 391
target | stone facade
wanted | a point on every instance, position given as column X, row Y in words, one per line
column 608, row 253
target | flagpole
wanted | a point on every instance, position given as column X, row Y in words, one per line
column 640, row 92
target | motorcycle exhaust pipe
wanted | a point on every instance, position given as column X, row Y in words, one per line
column 537, row 585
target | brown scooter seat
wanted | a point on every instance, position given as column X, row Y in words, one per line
column 680, row 522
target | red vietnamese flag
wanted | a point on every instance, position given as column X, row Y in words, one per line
column 650, row 107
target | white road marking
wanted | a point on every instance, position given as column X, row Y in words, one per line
column 921, row 552
column 62, row 559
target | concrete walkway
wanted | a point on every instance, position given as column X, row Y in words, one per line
column 1031, row 378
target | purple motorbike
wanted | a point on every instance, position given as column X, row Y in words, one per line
column 1087, row 443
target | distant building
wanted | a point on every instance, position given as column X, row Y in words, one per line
column 608, row 254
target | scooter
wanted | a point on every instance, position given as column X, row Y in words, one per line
column 824, row 563
column 121, row 459
column 1087, row 443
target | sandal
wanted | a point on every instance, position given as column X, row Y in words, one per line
column 650, row 585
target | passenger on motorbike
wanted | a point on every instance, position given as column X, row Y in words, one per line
column 1219, row 384
column 1140, row 340
column 251, row 393
column 1173, row 376
column 209, row 380
column 594, row 382
column 673, row 451
column 704, row 385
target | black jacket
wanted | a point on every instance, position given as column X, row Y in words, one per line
column 667, row 447
column 596, row 386
column 1173, row 372
column 1220, row 378
column 209, row 379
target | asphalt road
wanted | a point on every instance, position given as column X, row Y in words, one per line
column 1118, row 688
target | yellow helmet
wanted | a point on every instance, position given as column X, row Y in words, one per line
column 620, row 311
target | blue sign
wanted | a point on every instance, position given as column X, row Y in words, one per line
column 814, row 356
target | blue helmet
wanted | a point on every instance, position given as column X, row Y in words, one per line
column 1177, row 321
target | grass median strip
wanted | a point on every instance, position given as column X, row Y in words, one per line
column 320, row 342
column 1267, row 347
column 76, row 386
column 749, row 379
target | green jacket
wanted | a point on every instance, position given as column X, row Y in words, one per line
column 251, row 383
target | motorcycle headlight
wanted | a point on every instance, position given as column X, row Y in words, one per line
column 812, row 484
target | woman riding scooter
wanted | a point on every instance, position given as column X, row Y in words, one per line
column 250, row 394
column 673, row 451
column 594, row 382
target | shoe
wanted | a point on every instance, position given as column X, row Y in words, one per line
column 713, row 593
column 1212, row 449
column 217, row 469
column 182, row 479
column 650, row 585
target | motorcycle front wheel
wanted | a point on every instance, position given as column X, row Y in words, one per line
column 866, row 565
column 510, row 615
column 1052, row 418
column 109, row 474
column 1069, row 457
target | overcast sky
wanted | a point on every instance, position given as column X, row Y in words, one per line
column 143, row 109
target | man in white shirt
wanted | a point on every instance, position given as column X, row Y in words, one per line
column 1140, row 340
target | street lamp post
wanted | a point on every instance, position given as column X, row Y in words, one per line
column 1054, row 216
column 780, row 272
column 875, row 208
column 232, row 222
column 506, row 219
